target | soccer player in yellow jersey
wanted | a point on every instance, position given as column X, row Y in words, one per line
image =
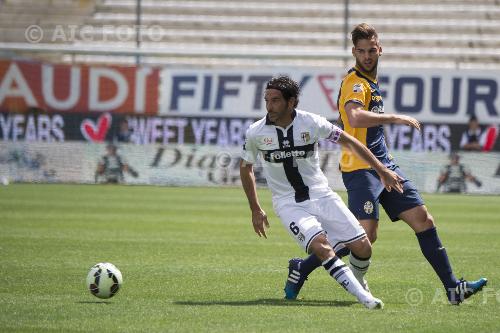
column 362, row 115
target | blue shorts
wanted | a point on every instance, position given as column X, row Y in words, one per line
column 365, row 191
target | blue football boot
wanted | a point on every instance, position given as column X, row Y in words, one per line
column 295, row 280
column 465, row 289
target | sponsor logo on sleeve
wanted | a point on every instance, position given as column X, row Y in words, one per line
column 377, row 109
column 357, row 88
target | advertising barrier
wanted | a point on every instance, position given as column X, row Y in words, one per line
column 175, row 126
column 209, row 165
column 220, row 131
column 444, row 97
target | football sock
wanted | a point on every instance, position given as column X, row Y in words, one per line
column 309, row 264
column 344, row 276
column 343, row 252
column 359, row 266
column 435, row 253
column 312, row 262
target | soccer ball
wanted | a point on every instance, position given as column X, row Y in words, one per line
column 104, row 280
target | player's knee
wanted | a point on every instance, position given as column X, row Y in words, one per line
column 419, row 219
column 429, row 221
column 425, row 222
column 362, row 248
column 370, row 227
column 321, row 248
column 372, row 236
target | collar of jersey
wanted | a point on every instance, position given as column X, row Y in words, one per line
column 269, row 122
column 364, row 75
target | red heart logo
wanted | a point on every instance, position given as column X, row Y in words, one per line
column 93, row 132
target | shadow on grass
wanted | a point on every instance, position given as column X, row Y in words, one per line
column 94, row 302
column 270, row 302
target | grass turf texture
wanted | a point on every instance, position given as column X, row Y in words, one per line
column 191, row 262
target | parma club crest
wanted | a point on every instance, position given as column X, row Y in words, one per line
column 305, row 136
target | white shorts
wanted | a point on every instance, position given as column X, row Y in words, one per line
column 328, row 215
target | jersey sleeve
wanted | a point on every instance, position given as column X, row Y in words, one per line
column 326, row 130
column 249, row 151
column 354, row 90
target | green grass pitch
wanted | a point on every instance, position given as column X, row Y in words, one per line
column 192, row 263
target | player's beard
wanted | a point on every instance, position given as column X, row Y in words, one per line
column 280, row 116
column 372, row 72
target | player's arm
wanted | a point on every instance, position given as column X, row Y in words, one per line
column 389, row 178
column 99, row 170
column 360, row 118
column 471, row 146
column 443, row 177
column 100, row 167
column 468, row 176
column 466, row 145
column 259, row 217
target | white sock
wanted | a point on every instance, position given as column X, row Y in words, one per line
column 344, row 276
column 359, row 266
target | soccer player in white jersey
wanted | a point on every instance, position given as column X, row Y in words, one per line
column 315, row 216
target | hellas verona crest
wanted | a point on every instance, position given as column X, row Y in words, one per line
column 368, row 207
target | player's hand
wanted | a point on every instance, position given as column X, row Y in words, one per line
column 260, row 223
column 407, row 120
column 391, row 180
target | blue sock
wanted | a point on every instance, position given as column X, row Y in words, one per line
column 435, row 253
column 343, row 252
column 312, row 262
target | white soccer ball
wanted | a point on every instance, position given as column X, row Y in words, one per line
column 104, row 280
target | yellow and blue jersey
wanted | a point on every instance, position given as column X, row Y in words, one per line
column 359, row 88
column 364, row 188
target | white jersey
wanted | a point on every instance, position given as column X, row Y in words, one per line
column 290, row 156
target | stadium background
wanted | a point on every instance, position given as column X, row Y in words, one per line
column 187, row 77
column 72, row 71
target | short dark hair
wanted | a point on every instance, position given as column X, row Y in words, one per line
column 363, row 31
column 289, row 88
